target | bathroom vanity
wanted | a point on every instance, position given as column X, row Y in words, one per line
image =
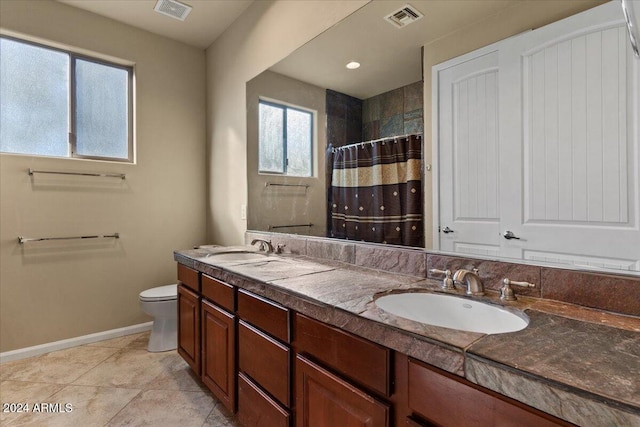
column 286, row 340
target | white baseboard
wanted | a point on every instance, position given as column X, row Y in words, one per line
column 23, row 353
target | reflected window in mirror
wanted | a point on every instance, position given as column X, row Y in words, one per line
column 285, row 139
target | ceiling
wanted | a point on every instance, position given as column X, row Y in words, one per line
column 207, row 20
column 390, row 56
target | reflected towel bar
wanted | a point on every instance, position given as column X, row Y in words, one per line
column 22, row 240
column 272, row 227
column 106, row 175
column 270, row 184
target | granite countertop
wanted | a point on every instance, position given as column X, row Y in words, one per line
column 579, row 364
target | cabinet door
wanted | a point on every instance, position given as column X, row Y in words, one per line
column 189, row 327
column 218, row 354
column 323, row 399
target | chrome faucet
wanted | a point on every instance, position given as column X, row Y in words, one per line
column 265, row 245
column 471, row 280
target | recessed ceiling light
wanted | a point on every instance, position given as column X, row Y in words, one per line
column 353, row 65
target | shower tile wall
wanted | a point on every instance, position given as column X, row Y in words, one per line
column 344, row 119
column 397, row 112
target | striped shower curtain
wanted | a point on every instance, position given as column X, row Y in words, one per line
column 376, row 191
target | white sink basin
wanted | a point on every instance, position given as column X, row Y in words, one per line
column 237, row 256
column 453, row 312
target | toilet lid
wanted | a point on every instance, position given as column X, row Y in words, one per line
column 161, row 293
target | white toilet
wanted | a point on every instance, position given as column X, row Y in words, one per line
column 161, row 303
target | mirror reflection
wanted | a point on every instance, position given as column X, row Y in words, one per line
column 376, row 173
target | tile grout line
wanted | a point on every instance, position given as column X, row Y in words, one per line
column 123, row 407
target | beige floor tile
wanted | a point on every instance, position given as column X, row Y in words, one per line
column 140, row 342
column 176, row 376
column 20, row 393
column 58, row 367
column 161, row 408
column 128, row 341
column 220, row 417
column 128, row 369
column 78, row 406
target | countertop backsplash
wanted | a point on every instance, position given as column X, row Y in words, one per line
column 601, row 291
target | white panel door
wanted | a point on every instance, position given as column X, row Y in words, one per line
column 569, row 97
column 468, row 155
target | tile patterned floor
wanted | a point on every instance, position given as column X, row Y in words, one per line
column 109, row 383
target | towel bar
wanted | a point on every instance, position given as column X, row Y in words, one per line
column 22, row 239
column 272, row 227
column 275, row 184
column 106, row 175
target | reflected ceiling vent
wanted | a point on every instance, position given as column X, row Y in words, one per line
column 173, row 9
column 404, row 16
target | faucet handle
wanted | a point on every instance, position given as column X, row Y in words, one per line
column 447, row 282
column 506, row 292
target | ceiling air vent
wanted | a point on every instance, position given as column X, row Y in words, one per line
column 404, row 16
column 173, row 9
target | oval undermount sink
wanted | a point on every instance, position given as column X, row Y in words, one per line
column 237, row 256
column 453, row 312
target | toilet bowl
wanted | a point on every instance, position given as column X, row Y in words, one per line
column 161, row 304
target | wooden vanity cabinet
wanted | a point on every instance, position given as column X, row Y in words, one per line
column 189, row 316
column 264, row 362
column 218, row 337
column 325, row 399
column 339, row 376
column 442, row 399
column 257, row 408
column 189, row 327
column 363, row 362
column 276, row 367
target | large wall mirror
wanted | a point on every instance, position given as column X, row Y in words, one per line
column 316, row 126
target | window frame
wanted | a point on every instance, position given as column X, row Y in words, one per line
column 71, row 91
column 285, row 161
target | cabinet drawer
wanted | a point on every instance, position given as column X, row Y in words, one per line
column 265, row 360
column 189, row 277
column 257, row 409
column 445, row 400
column 218, row 292
column 362, row 361
column 324, row 399
column 264, row 314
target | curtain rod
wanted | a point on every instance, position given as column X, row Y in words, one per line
column 373, row 141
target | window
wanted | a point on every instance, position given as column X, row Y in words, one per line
column 57, row 103
column 285, row 139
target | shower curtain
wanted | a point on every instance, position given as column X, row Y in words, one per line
column 376, row 191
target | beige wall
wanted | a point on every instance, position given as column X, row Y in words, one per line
column 273, row 205
column 50, row 291
column 526, row 15
column 266, row 32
